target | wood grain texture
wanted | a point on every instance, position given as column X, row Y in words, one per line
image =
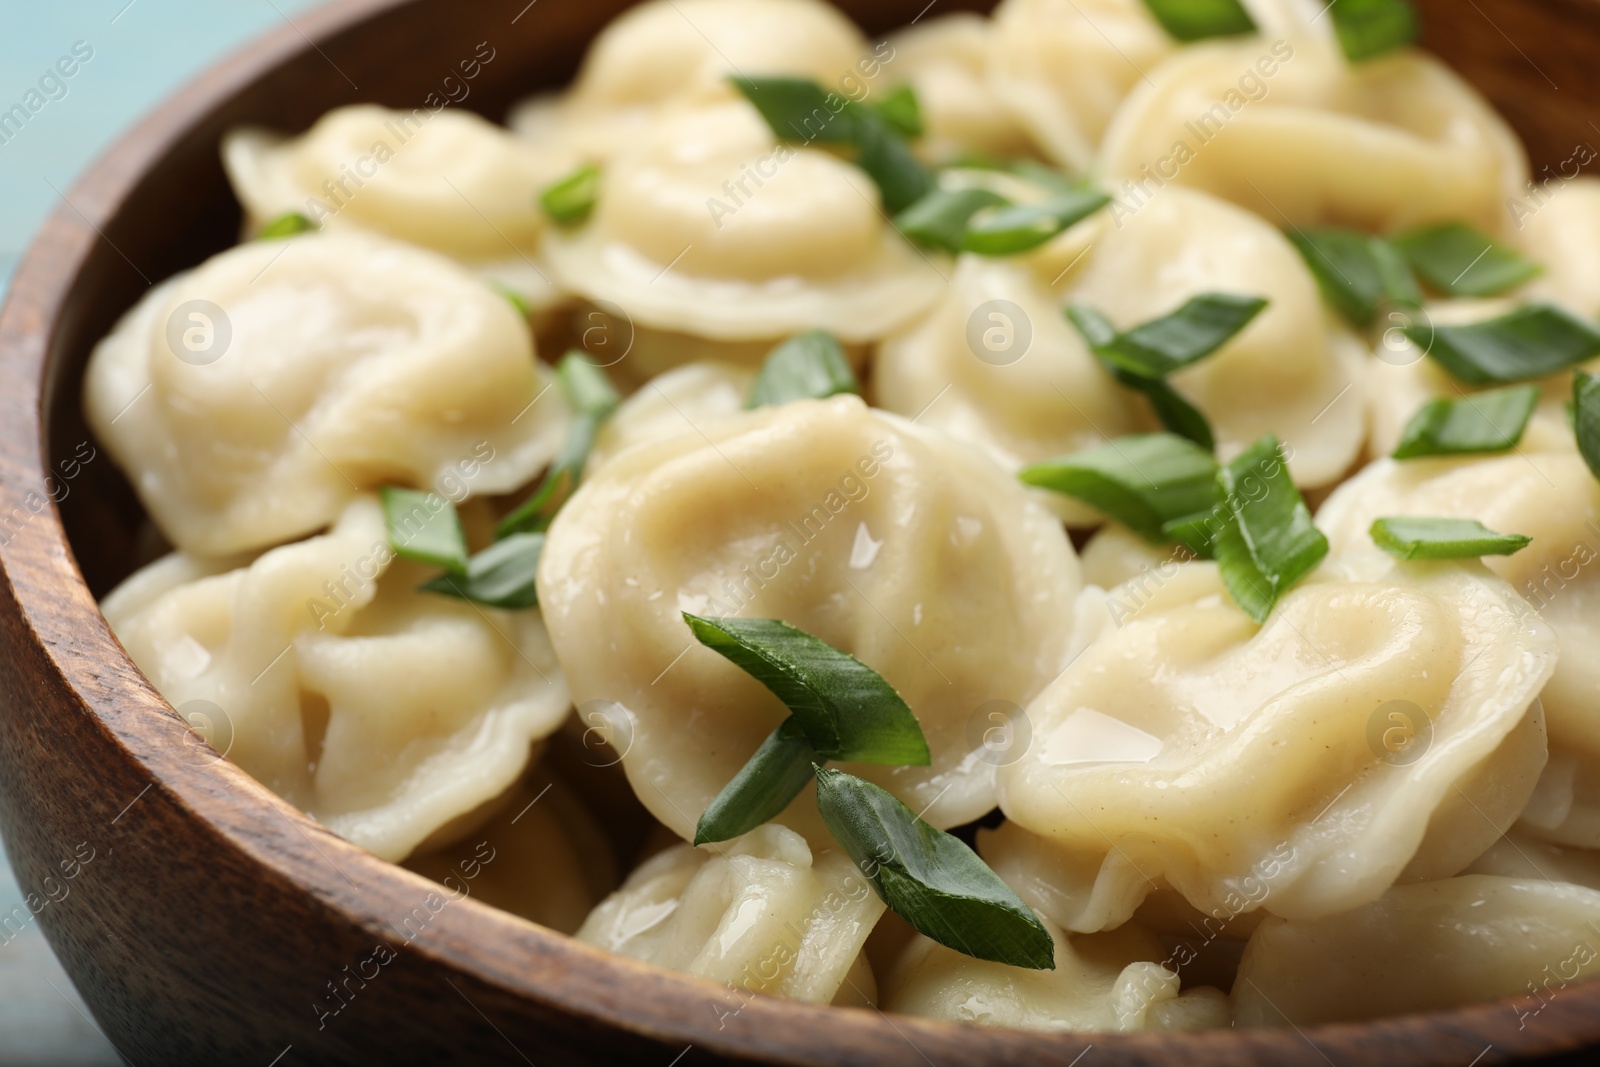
column 213, row 918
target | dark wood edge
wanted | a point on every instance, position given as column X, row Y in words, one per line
column 56, row 637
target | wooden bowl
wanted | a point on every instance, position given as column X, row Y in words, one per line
column 211, row 920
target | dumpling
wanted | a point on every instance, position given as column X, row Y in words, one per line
column 1116, row 556
column 1109, row 981
column 1422, row 948
column 945, row 60
column 442, row 179
column 540, row 855
column 1549, row 496
column 762, row 912
column 1562, row 235
column 667, row 56
column 251, row 399
column 669, row 405
column 1521, row 855
column 1392, row 143
column 996, row 364
column 710, row 228
column 1063, row 66
column 1287, row 372
column 1255, row 768
column 383, row 712
column 908, row 550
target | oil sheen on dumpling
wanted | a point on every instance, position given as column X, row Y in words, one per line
column 711, row 228
column 912, row 552
column 673, row 404
column 1423, row 947
column 1252, row 767
column 1110, row 981
column 250, row 399
column 664, row 57
column 1384, row 145
column 762, row 912
column 383, row 712
column 945, row 60
column 540, row 855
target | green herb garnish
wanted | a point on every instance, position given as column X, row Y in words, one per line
column 1530, row 342
column 1491, row 421
column 1368, row 28
column 424, row 527
column 1196, row 20
column 1268, row 542
column 1359, row 274
column 1413, row 538
column 810, row 366
column 571, row 200
column 501, row 576
column 592, row 399
column 1143, row 481
column 285, row 225
column 1457, row 260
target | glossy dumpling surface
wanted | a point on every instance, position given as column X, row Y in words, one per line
column 761, row 912
column 1422, row 948
column 673, row 404
column 1251, row 767
column 1108, row 981
column 684, row 238
column 383, row 712
column 1388, row 144
column 249, row 400
column 910, row 551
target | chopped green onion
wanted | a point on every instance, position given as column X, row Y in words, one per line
column 1359, row 274
column 1045, row 176
column 1368, row 28
column 501, row 576
column 1008, row 230
column 764, row 786
column 515, row 299
column 1198, row 532
column 930, row 878
column 1143, row 481
column 939, row 220
column 570, row 200
column 1176, row 414
column 1530, row 342
column 847, row 710
column 810, row 366
column 800, row 110
column 424, row 527
column 592, row 399
column 1413, row 538
column 286, row 225
column 1269, row 542
column 901, row 111
column 1586, row 418
column 1458, row 260
column 1491, row 421
column 1157, row 348
column 1195, row 20
column 883, row 153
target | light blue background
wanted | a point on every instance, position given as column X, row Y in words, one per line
column 142, row 51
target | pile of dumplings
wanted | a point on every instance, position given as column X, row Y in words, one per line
column 1189, row 800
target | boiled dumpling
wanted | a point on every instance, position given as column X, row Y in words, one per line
column 250, row 399
column 383, row 712
column 1422, row 948
column 1260, row 756
column 681, row 249
column 669, row 405
column 762, row 912
column 1286, row 373
column 446, row 180
column 945, row 61
column 1562, row 235
column 1521, row 855
column 1392, row 143
column 540, row 855
column 1116, row 556
column 910, row 551
column 667, row 56
column 1109, row 981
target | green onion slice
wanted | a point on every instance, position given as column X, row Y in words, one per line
column 1458, row 260
column 930, row 878
column 1196, row 20
column 285, row 225
column 847, row 710
column 939, row 220
column 570, row 200
column 592, row 399
column 1491, row 421
column 1417, row 538
column 1586, row 418
column 501, row 576
column 1359, row 274
column 764, row 786
column 1143, row 481
column 1270, row 542
column 1368, row 28
column 1530, row 342
column 424, row 526
column 810, row 366
column 1008, row 230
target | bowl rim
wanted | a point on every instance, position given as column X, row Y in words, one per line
column 64, row 626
